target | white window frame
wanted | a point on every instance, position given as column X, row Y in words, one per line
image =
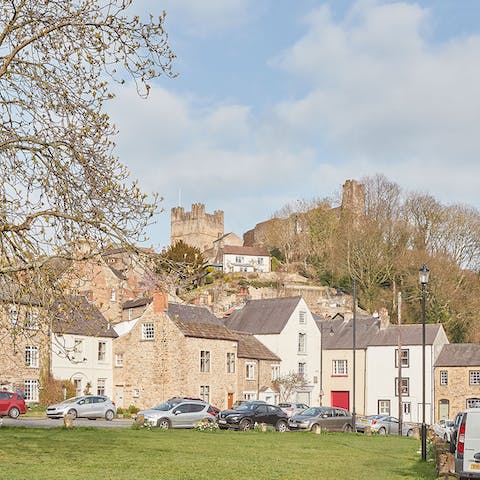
column 135, row 392
column 113, row 295
column 31, row 390
column 77, row 382
column 102, row 352
column 31, row 320
column 302, row 369
column 204, row 361
column 384, row 407
column 474, row 377
column 302, row 342
column 473, row 403
column 205, row 393
column 31, row 356
column 405, row 386
column 101, row 386
column 275, row 372
column 407, row 408
column 78, row 349
column 340, row 368
column 302, row 317
column 443, row 377
column 13, row 316
column 148, row 331
column 230, row 362
column 249, row 371
column 405, row 356
column 249, row 395
column 119, row 359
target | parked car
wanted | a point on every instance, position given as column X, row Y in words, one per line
column 247, row 414
column 383, row 424
column 292, row 408
column 453, row 435
column 87, row 406
column 444, row 429
column 327, row 418
column 179, row 413
column 237, row 403
column 12, row 404
column 467, row 456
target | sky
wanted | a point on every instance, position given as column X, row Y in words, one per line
column 283, row 100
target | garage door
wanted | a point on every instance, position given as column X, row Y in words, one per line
column 341, row 399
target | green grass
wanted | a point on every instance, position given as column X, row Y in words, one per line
column 91, row 453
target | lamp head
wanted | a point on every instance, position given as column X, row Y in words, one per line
column 423, row 274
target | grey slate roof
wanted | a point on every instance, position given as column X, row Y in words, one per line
column 77, row 316
column 237, row 250
column 205, row 330
column 459, row 355
column 192, row 313
column 411, row 335
column 250, row 347
column 263, row 317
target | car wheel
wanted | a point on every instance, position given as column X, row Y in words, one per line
column 347, row 428
column 163, row 423
column 92, row 418
column 72, row 413
column 315, row 427
column 445, row 437
column 109, row 415
column 282, row 426
column 245, row 424
column 381, row 431
column 451, row 447
column 410, row 433
column 14, row 412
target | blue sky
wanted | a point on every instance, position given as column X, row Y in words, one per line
column 281, row 100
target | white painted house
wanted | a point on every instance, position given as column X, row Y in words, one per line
column 287, row 328
column 81, row 347
column 245, row 259
column 381, row 388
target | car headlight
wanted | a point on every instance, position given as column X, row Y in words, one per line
column 234, row 418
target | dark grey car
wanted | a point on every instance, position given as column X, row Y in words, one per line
column 327, row 418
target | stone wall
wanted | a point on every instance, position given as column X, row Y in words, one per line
column 196, row 228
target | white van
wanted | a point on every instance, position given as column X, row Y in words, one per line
column 467, row 456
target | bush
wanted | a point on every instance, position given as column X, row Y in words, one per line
column 133, row 409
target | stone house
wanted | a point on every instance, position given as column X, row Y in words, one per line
column 72, row 341
column 457, row 379
column 287, row 328
column 182, row 350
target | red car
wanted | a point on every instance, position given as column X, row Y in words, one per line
column 11, row 404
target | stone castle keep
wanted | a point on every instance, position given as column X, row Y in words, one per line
column 196, row 228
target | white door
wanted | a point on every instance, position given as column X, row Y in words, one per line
column 119, row 395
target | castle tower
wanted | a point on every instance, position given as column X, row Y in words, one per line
column 353, row 199
column 196, row 228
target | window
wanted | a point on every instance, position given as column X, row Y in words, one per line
column 443, row 377
column 302, row 317
column 31, row 321
column 302, row 369
column 230, row 363
column 31, row 357
column 260, row 260
column 302, row 342
column 113, row 295
column 340, row 367
column 250, row 371
column 405, row 382
column 474, row 377
column 102, row 351
column 77, row 382
column 473, row 402
column 405, row 356
column 204, row 361
column 384, row 407
column 119, row 359
column 13, row 315
column 31, row 390
column 249, row 395
column 101, row 386
column 407, row 408
column 205, row 393
column 136, row 392
column 275, row 372
column 148, row 331
column 238, row 259
column 78, row 350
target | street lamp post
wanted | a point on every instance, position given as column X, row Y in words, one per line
column 354, row 348
column 423, row 275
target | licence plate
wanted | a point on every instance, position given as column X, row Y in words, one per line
column 363, row 420
column 475, row 466
column 222, row 421
column 293, row 424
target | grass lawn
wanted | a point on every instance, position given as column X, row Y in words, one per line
column 104, row 454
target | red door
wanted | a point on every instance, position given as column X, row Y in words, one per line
column 340, row 399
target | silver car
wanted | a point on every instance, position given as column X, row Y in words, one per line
column 383, row 424
column 327, row 418
column 88, row 406
column 444, row 429
column 293, row 408
column 178, row 414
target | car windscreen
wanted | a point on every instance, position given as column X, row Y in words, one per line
column 312, row 412
column 71, row 400
column 165, row 406
column 246, row 407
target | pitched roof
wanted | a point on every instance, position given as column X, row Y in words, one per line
column 411, row 335
column 77, row 316
column 263, row 317
column 459, row 355
column 250, row 347
column 192, row 313
column 137, row 302
column 205, row 330
column 254, row 251
column 338, row 334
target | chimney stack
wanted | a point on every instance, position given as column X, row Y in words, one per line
column 160, row 301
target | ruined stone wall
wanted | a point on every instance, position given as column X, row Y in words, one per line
column 353, row 198
column 196, row 228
